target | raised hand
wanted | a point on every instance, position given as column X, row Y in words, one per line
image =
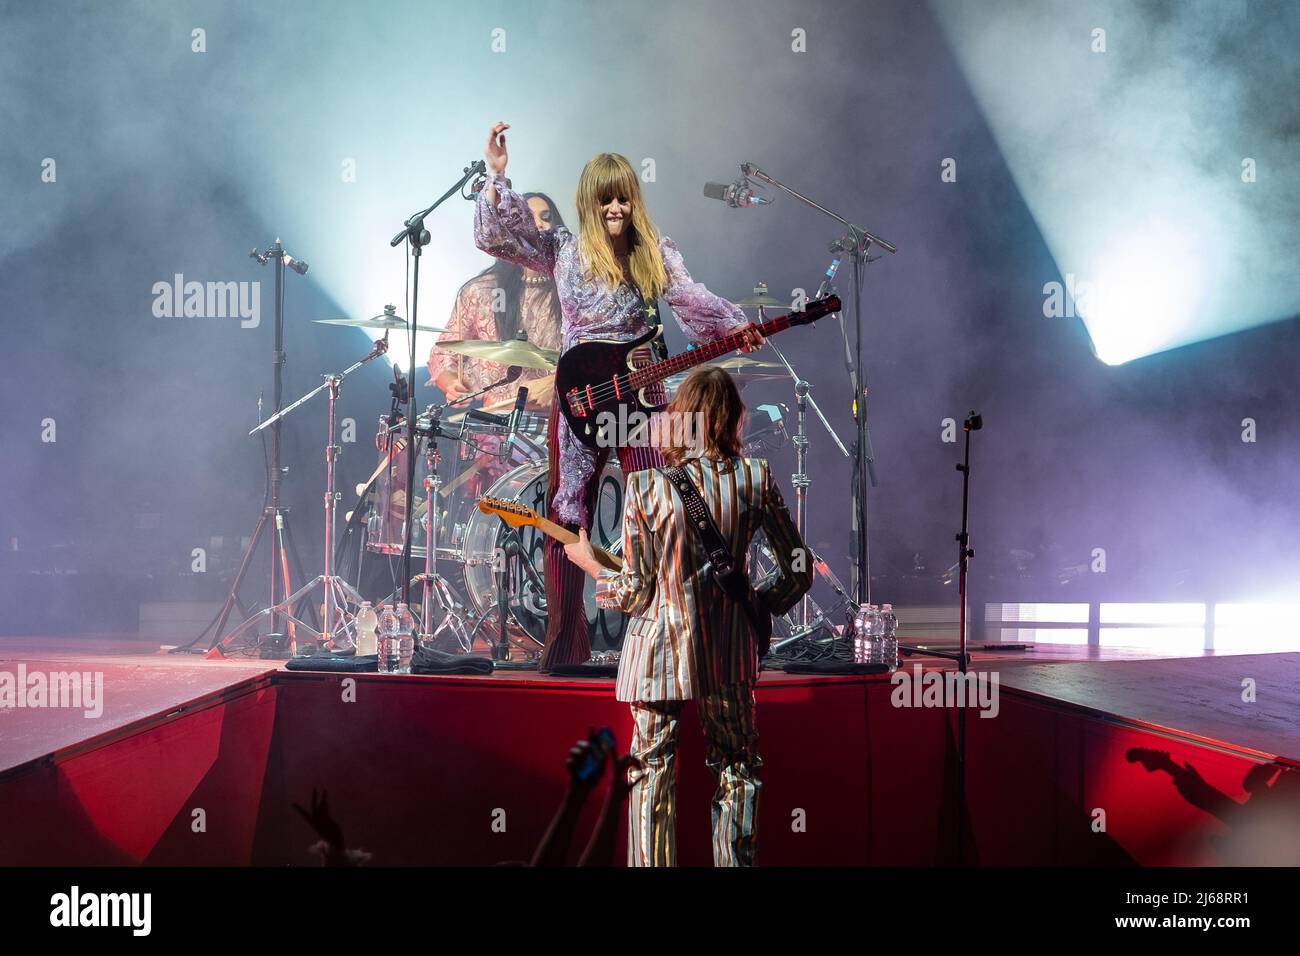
column 495, row 154
column 577, row 757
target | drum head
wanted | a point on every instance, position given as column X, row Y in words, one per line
column 482, row 538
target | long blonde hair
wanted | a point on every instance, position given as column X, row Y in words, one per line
column 606, row 175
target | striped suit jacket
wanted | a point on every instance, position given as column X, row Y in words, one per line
column 685, row 637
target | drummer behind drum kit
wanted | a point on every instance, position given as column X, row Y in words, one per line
column 482, row 577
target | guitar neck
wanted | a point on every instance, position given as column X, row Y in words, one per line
column 643, row 377
column 565, row 536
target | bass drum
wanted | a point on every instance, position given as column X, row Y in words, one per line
column 477, row 538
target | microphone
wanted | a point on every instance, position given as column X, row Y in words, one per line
column 825, row 287
column 512, row 426
column 488, row 418
column 736, row 195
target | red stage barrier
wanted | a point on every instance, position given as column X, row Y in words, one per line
column 469, row 771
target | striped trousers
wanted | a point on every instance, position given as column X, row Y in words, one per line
column 567, row 629
column 731, row 743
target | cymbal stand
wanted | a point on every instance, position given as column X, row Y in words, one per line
column 435, row 589
column 801, row 480
column 857, row 241
column 338, row 592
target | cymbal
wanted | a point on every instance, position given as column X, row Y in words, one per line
column 744, row 370
column 511, row 352
column 541, row 392
column 387, row 322
column 763, row 299
column 740, row 362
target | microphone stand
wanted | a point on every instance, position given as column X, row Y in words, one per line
column 416, row 238
column 973, row 422
column 857, row 241
column 273, row 516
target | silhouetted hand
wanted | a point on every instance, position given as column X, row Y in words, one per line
column 331, row 846
column 319, row 819
column 578, row 754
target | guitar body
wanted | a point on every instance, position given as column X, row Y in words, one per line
column 599, row 361
column 596, row 382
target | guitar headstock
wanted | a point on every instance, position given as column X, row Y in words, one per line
column 814, row 310
column 511, row 512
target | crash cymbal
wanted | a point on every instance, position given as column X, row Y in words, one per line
column 387, row 322
column 511, row 352
column 763, row 299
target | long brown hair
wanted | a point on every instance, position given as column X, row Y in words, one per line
column 606, row 175
column 711, row 394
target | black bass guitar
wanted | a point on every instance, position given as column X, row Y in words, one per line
column 596, row 377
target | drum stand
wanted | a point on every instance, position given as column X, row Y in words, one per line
column 338, row 592
column 434, row 585
column 802, row 482
column 510, row 551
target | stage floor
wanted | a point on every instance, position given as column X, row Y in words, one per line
column 1188, row 771
column 1200, row 697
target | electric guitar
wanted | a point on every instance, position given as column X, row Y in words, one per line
column 597, row 377
column 517, row 515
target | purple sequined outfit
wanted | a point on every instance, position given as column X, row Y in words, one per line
column 591, row 310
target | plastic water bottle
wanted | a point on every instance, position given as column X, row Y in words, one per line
column 888, row 637
column 405, row 638
column 866, row 634
column 386, row 641
column 367, row 621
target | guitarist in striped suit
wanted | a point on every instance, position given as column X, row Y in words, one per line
column 687, row 639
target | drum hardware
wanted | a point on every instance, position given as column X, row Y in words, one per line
column 479, row 537
column 337, row 591
column 820, row 620
column 434, row 587
column 761, row 300
column 758, row 442
column 857, row 241
column 517, row 351
column 511, row 554
column 389, row 321
column 801, row 480
column 435, row 590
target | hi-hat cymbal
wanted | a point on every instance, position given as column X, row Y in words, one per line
column 763, row 299
column 510, row 352
column 388, row 322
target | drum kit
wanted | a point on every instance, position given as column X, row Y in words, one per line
column 482, row 579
